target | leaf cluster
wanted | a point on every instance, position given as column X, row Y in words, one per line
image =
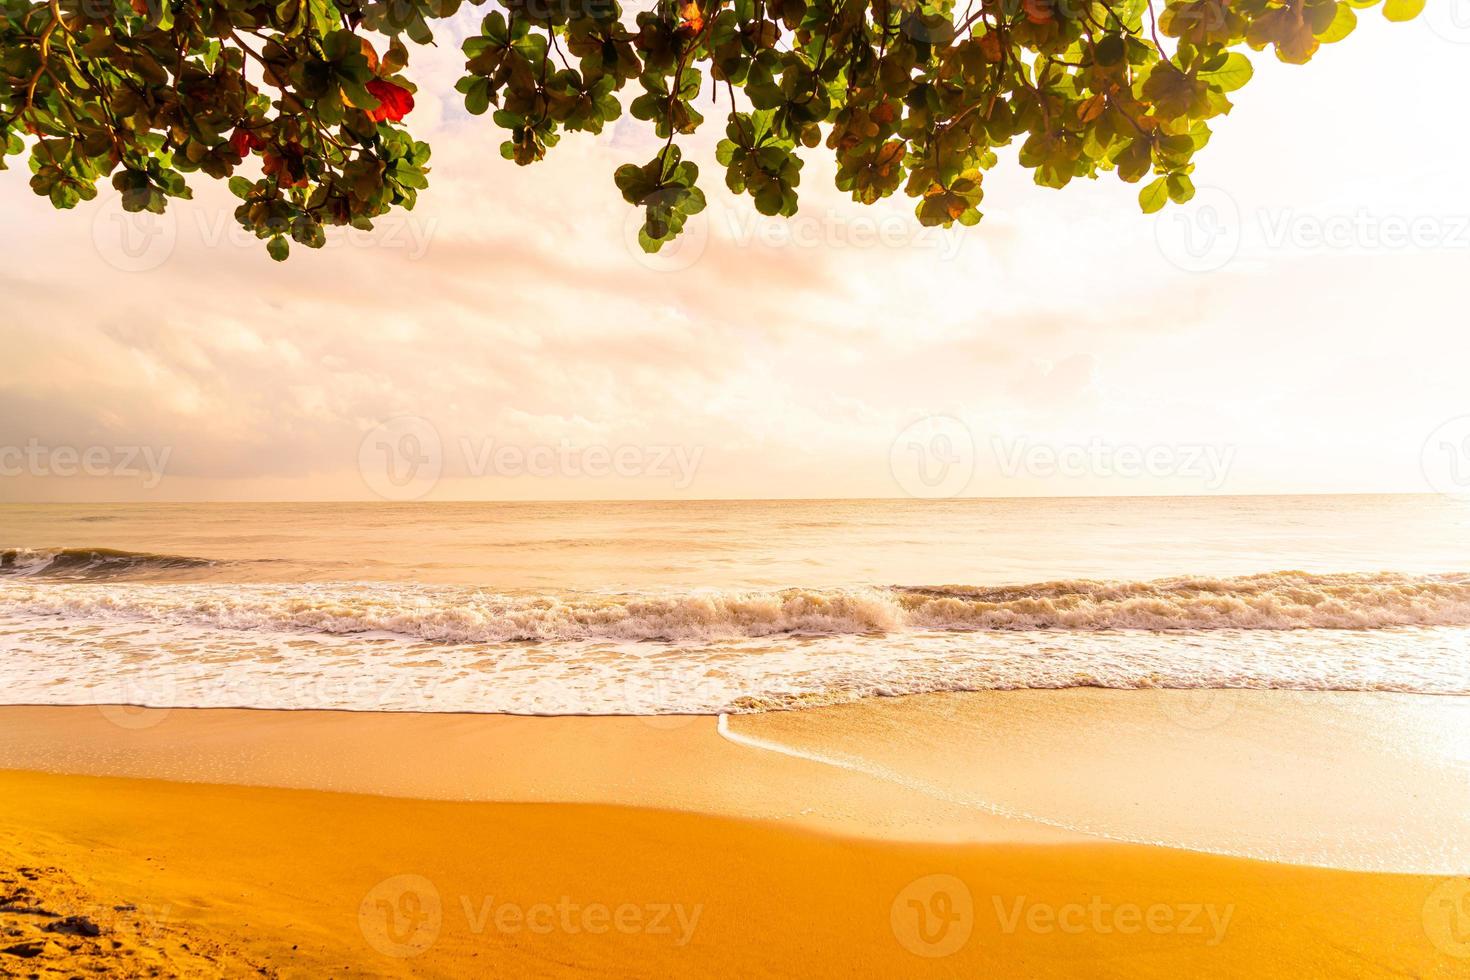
column 915, row 95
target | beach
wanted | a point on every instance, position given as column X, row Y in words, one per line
column 1016, row 527
column 788, row 738
column 399, row 844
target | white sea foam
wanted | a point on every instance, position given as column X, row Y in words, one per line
column 1276, row 601
column 449, row 648
column 666, row 607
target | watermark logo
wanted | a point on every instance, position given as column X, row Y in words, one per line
column 1363, row 231
column 648, row 698
column 145, row 463
column 933, row 458
column 401, row 916
column 133, row 241
column 933, row 916
column 1202, row 463
column 1207, row 921
column 131, row 716
column 142, row 241
column 742, row 227
column 133, row 695
column 1444, row 458
column 1447, row 917
column 674, row 463
column 675, row 256
column 1203, row 235
column 673, row 920
column 1198, row 709
column 66, row 917
column 401, row 459
column 1449, row 19
column 834, row 230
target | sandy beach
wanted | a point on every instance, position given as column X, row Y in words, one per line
column 222, row 842
column 755, row 490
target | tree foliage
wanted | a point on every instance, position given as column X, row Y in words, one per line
column 908, row 94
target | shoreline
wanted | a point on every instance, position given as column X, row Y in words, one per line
column 677, row 763
column 344, row 843
column 1368, row 781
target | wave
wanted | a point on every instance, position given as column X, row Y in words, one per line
column 1273, row 600
column 88, row 563
column 1289, row 600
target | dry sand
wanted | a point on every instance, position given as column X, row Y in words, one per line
column 319, row 844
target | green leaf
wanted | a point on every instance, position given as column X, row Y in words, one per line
column 917, row 102
column 1344, row 22
column 1234, row 73
column 1154, row 196
column 1181, row 188
column 1111, row 51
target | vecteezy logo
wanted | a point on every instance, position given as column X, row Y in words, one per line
column 133, row 241
column 401, row 916
column 1445, row 458
column 1198, row 709
column 934, row 457
column 401, row 459
column 1203, row 235
column 675, row 256
column 646, row 698
column 933, row 916
column 1447, row 917
column 1450, row 19
column 138, row 699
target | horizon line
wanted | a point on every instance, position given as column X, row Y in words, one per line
column 747, row 500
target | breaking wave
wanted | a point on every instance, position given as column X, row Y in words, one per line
column 1288, row 600
column 89, row 563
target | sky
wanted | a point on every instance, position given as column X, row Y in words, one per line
column 1297, row 328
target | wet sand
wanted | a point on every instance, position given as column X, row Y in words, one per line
column 329, row 844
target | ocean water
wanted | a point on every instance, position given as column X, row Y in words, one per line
column 634, row 608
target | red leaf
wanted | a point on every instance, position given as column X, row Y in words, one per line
column 990, row 47
column 287, row 164
column 1037, row 11
column 691, row 18
column 244, row 140
column 394, row 101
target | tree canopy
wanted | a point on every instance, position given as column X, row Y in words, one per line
column 303, row 105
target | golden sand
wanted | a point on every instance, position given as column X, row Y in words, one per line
column 1363, row 781
column 627, row 855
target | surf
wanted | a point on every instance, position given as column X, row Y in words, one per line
column 1287, row 600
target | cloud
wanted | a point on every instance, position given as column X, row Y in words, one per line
column 514, row 305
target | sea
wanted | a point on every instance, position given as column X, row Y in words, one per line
column 725, row 606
